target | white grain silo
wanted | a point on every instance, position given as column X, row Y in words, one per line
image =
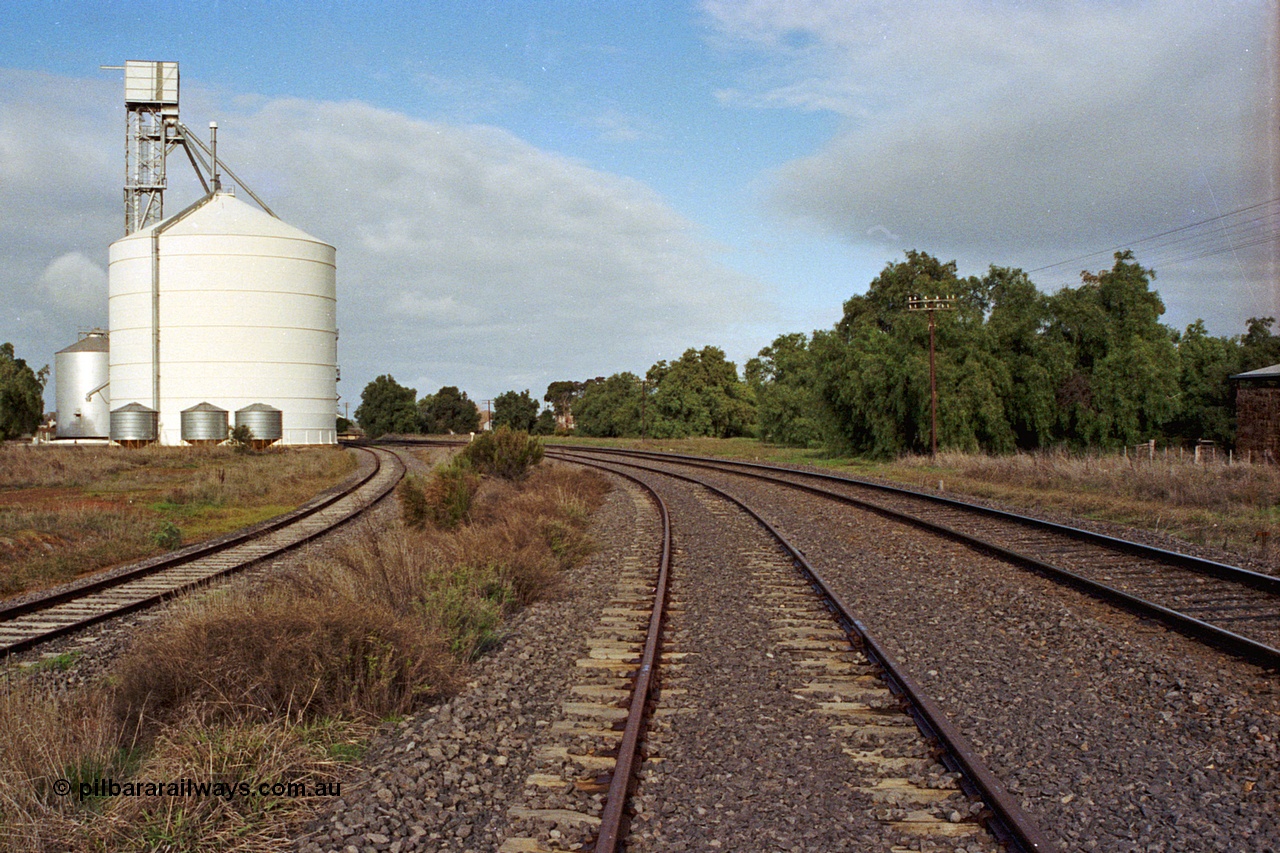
column 80, row 372
column 225, row 304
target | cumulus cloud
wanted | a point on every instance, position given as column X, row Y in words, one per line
column 466, row 256
column 78, row 286
column 1018, row 133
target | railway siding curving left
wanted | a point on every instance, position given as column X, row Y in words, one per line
column 43, row 618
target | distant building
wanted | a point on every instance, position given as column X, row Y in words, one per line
column 1258, row 414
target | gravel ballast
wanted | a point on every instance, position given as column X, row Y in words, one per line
column 1116, row 734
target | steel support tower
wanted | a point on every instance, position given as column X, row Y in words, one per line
column 152, row 131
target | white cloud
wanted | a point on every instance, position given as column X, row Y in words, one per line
column 1019, row 133
column 466, row 256
column 77, row 286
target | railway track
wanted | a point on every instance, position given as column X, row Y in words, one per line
column 1231, row 608
column 897, row 757
column 25, row 625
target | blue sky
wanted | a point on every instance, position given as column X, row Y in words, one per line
column 526, row 192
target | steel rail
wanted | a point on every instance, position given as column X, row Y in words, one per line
column 189, row 555
column 1005, row 819
column 613, row 816
column 1245, row 648
column 1213, row 568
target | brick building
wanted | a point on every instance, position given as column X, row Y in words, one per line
column 1258, row 414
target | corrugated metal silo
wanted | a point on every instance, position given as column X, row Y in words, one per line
column 225, row 302
column 265, row 422
column 134, row 425
column 204, row 424
column 81, row 374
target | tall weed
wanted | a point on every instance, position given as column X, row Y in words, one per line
column 443, row 499
column 506, row 453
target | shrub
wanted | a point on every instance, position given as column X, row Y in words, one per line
column 444, row 500
column 167, row 536
column 507, row 453
column 241, row 438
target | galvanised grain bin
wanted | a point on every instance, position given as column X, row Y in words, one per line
column 81, row 376
column 225, row 302
column 265, row 422
column 134, row 425
column 204, row 424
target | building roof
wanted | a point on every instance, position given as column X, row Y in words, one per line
column 1272, row 372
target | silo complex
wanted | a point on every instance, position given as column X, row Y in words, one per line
column 225, row 304
column 81, row 376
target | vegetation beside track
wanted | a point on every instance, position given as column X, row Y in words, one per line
column 284, row 682
column 65, row 511
column 1233, row 507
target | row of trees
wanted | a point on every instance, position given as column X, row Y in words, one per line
column 386, row 406
column 1016, row 368
column 1087, row 366
column 700, row 394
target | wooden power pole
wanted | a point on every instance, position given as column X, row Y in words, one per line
column 931, row 305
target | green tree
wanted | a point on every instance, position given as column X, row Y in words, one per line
column 1123, row 383
column 448, row 411
column 546, row 424
column 1258, row 346
column 873, row 367
column 700, row 394
column 387, row 406
column 1017, row 313
column 21, row 395
column 1205, row 405
column 518, row 411
column 561, row 395
column 609, row 408
column 783, row 379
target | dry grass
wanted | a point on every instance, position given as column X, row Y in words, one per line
column 76, row 738
column 65, row 511
column 1229, row 506
column 1234, row 507
column 278, row 683
column 289, row 652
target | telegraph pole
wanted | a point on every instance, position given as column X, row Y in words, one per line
column 644, row 395
column 931, row 305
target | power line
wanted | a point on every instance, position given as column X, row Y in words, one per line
column 1240, row 227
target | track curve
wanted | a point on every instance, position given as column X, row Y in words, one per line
column 25, row 625
column 1004, row 818
column 1226, row 606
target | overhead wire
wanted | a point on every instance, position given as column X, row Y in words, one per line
column 1215, row 235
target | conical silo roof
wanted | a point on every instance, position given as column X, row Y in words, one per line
column 89, row 343
column 222, row 214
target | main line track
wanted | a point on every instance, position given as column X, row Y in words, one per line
column 1225, row 606
column 872, row 691
column 30, row 623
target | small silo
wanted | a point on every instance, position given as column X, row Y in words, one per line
column 204, row 423
column 81, row 372
column 134, row 425
column 225, row 302
column 265, row 423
